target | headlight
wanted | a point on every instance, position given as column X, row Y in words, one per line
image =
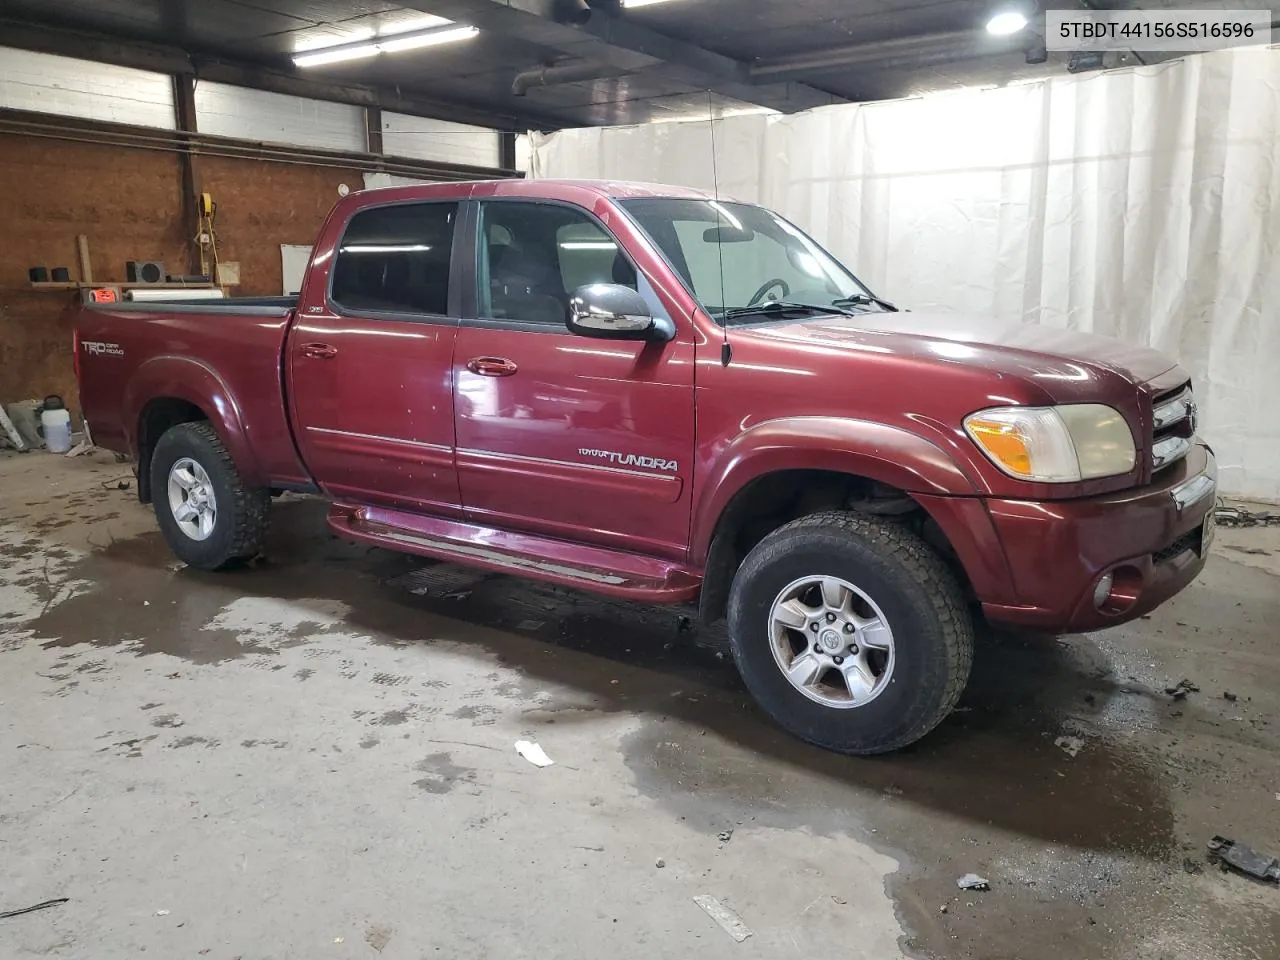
column 1061, row 444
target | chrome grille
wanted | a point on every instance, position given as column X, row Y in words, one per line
column 1173, row 423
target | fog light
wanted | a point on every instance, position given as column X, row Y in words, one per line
column 1102, row 592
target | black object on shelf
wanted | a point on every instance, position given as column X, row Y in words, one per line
column 61, row 275
column 144, row 271
column 38, row 274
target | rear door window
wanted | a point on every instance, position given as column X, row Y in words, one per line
column 396, row 260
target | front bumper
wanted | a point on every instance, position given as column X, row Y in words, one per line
column 1151, row 539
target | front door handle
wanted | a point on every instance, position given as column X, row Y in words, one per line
column 319, row 351
column 492, row 366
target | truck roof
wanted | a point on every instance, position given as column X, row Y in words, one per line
column 568, row 190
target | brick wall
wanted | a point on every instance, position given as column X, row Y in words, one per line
column 128, row 203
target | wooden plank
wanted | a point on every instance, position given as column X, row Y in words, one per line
column 86, row 265
column 125, row 286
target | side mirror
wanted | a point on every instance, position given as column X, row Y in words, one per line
column 610, row 311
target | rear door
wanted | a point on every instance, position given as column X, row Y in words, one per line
column 586, row 439
column 370, row 362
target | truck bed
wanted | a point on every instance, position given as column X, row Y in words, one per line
column 138, row 370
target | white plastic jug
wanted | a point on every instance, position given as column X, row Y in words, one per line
column 57, row 425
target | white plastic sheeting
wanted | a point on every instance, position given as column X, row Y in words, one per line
column 1143, row 204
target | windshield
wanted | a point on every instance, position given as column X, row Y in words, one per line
column 735, row 256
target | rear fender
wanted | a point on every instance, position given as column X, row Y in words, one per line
column 195, row 382
column 862, row 448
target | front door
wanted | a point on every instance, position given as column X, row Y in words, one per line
column 589, row 440
column 370, row 362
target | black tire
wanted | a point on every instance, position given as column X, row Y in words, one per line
column 919, row 597
column 240, row 526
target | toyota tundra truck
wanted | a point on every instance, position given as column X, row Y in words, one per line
column 649, row 392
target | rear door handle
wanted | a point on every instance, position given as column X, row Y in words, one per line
column 319, row 351
column 492, row 366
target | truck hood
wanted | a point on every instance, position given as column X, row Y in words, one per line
column 1024, row 349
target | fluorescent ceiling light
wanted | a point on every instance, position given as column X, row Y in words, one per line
column 1005, row 23
column 588, row 245
column 351, row 51
column 386, row 248
column 640, row 3
column 414, row 41
column 394, row 43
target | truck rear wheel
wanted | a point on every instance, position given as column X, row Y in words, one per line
column 850, row 632
column 208, row 516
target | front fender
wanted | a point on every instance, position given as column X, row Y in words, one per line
column 184, row 378
column 861, row 448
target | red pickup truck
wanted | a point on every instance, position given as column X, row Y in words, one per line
column 650, row 393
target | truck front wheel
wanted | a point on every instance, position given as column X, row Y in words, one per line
column 208, row 516
column 850, row 632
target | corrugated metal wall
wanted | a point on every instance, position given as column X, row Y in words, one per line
column 424, row 139
column 64, row 86
column 228, row 111
column 81, row 88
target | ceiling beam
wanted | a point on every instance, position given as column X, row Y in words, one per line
column 954, row 45
column 625, row 45
column 171, row 60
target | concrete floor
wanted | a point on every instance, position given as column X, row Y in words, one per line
column 314, row 758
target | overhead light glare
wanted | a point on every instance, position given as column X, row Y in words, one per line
column 1006, row 22
column 386, row 248
column 392, row 44
column 588, row 245
column 329, row 42
column 641, row 3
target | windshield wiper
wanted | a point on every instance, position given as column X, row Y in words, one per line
column 780, row 307
column 865, row 299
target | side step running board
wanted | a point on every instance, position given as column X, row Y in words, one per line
column 598, row 569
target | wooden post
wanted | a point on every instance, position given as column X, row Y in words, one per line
column 86, row 265
column 184, row 109
column 507, row 150
column 373, row 129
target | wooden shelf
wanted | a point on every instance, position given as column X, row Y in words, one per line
column 127, row 286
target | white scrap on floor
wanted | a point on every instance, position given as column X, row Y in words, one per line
column 729, row 921
column 1069, row 745
column 533, row 753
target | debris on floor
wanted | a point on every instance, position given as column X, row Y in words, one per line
column 378, row 936
column 533, row 753
column 32, row 909
column 1244, row 859
column 1069, row 745
column 1229, row 696
column 724, row 836
column 971, row 881
column 1180, row 689
column 729, row 921
column 1240, row 517
column 659, row 863
column 1190, row 866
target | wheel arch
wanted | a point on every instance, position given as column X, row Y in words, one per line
column 790, row 468
column 166, row 391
